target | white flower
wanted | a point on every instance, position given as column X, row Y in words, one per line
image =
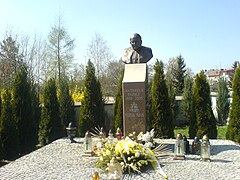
column 146, row 137
column 148, row 145
column 152, row 133
column 139, row 137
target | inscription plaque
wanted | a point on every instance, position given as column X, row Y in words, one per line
column 134, row 98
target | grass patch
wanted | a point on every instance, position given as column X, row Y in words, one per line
column 184, row 131
column 222, row 132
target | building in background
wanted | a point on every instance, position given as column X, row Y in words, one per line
column 214, row 75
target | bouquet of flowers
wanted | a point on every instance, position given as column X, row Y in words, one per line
column 132, row 152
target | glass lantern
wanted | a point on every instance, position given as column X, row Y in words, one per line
column 110, row 135
column 111, row 138
column 102, row 134
column 196, row 145
column 205, row 149
column 119, row 134
column 71, row 132
column 95, row 176
column 88, row 144
column 114, row 170
column 186, row 145
column 179, row 149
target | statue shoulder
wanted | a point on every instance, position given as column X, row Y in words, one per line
column 148, row 52
column 148, row 49
column 128, row 50
column 127, row 54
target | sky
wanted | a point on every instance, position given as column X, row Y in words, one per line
column 205, row 33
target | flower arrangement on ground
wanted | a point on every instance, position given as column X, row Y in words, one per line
column 132, row 152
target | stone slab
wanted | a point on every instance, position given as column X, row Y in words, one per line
column 134, row 98
column 135, row 73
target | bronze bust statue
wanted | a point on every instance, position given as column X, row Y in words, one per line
column 137, row 53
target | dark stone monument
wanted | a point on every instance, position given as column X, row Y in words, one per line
column 134, row 85
column 134, row 98
column 136, row 53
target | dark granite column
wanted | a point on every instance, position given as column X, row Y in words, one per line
column 134, row 98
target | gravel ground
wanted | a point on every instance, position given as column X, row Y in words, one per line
column 62, row 160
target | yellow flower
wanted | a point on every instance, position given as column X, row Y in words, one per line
column 120, row 147
column 77, row 95
column 137, row 154
column 132, row 155
column 108, row 153
column 104, row 153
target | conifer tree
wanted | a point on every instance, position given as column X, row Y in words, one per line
column 203, row 121
column 59, row 52
column 231, row 75
column 222, row 101
column 149, row 95
column 118, row 108
column 233, row 129
column 161, row 112
column 0, row 126
column 173, row 103
column 235, row 64
column 186, row 104
column 91, row 110
column 66, row 103
column 36, row 111
column 1, row 153
column 175, row 74
column 0, row 103
column 149, row 105
column 50, row 127
column 8, row 129
column 10, row 60
column 23, row 110
column 179, row 74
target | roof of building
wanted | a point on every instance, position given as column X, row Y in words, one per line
column 219, row 72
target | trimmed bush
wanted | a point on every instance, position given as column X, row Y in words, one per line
column 66, row 104
column 23, row 110
column 203, row 121
column 91, row 110
column 50, row 127
column 9, row 147
column 160, row 108
column 118, row 108
column 233, row 129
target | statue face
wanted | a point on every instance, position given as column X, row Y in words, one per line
column 135, row 43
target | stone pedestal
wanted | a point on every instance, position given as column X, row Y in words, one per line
column 134, row 98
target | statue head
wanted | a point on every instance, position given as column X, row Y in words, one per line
column 136, row 41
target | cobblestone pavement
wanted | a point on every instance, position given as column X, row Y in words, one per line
column 62, row 160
